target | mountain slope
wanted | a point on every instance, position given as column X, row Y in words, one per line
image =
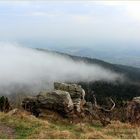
column 131, row 73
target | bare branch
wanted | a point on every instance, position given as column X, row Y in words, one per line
column 101, row 108
column 113, row 104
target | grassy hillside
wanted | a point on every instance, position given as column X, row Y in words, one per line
column 23, row 125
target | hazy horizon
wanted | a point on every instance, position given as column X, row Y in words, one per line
column 82, row 22
column 107, row 30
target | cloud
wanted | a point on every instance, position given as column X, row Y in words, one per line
column 43, row 13
column 80, row 23
column 22, row 67
column 116, row 3
column 131, row 9
column 83, row 18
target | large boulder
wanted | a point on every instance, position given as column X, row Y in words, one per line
column 133, row 110
column 76, row 92
column 32, row 105
column 56, row 100
column 65, row 99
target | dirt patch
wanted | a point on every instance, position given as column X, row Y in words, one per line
column 6, row 131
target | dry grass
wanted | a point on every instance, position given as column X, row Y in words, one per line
column 27, row 126
column 23, row 124
column 122, row 130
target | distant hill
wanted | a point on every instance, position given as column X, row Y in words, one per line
column 132, row 73
column 124, row 56
column 113, row 52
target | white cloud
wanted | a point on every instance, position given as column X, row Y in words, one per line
column 80, row 19
column 71, row 22
column 22, row 66
column 130, row 8
column 17, row 3
column 133, row 11
column 44, row 14
column 117, row 3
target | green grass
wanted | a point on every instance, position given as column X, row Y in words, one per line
column 23, row 131
column 23, row 126
column 59, row 126
column 27, row 127
column 97, row 126
column 3, row 136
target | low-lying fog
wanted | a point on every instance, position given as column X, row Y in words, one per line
column 22, row 67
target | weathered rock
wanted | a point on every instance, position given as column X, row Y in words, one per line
column 65, row 99
column 32, row 105
column 133, row 110
column 57, row 100
column 76, row 92
column 61, row 86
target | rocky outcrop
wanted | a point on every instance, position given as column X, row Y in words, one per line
column 76, row 92
column 68, row 100
column 56, row 100
column 133, row 110
column 65, row 99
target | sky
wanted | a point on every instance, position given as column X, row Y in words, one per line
column 71, row 23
